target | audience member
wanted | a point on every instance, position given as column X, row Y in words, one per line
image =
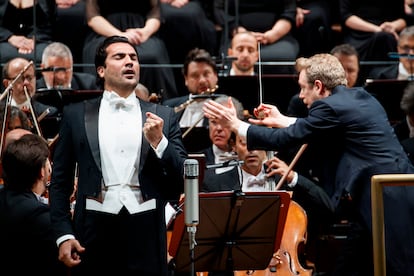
column 131, row 166
column 70, row 27
column 26, row 83
column 271, row 22
column 200, row 76
column 139, row 23
column 365, row 145
column 18, row 29
column 26, row 230
column 404, row 69
column 372, row 27
column 57, row 70
column 313, row 26
column 185, row 26
column 409, row 12
column 243, row 47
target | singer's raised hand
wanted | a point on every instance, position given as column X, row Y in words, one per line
column 153, row 129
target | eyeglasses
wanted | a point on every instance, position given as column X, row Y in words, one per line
column 406, row 49
column 29, row 78
column 57, row 69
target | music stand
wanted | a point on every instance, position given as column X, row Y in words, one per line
column 237, row 231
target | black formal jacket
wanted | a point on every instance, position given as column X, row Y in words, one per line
column 161, row 179
column 355, row 141
column 26, row 236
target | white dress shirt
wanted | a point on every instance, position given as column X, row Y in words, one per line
column 119, row 121
column 193, row 113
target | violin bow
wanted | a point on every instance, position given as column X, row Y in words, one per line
column 290, row 167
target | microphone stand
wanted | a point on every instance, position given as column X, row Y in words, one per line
column 192, row 241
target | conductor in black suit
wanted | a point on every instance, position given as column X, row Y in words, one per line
column 365, row 145
column 130, row 159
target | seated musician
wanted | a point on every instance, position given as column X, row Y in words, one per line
column 57, row 70
column 200, row 76
column 404, row 69
column 24, row 87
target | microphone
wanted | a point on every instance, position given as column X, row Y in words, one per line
column 191, row 201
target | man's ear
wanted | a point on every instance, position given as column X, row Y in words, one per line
column 100, row 71
column 5, row 83
column 319, row 87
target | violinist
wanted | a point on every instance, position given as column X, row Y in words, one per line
column 24, row 87
column 200, row 76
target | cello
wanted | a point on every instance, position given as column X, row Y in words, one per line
column 285, row 262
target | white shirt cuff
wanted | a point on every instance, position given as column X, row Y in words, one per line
column 159, row 151
column 64, row 238
column 294, row 180
column 242, row 130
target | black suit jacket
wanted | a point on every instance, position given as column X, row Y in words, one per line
column 355, row 141
column 197, row 139
column 161, row 179
column 26, row 236
column 227, row 181
column 80, row 81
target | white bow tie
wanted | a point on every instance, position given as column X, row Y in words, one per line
column 119, row 102
column 259, row 180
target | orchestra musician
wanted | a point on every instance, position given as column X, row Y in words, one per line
column 24, row 88
column 200, row 76
column 365, row 145
column 57, row 70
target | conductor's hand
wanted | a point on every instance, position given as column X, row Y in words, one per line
column 153, row 129
column 269, row 115
column 69, row 252
column 225, row 115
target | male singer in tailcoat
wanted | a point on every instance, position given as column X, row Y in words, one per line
column 355, row 141
column 125, row 176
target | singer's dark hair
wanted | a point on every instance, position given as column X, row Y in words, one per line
column 101, row 54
